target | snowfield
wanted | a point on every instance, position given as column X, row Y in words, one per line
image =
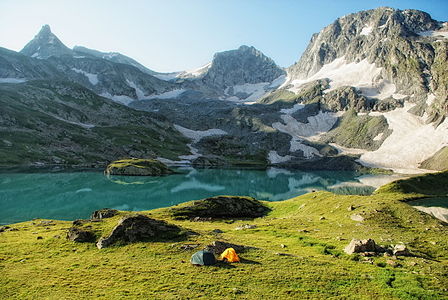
column 196, row 136
column 411, row 142
column 362, row 75
column 93, row 78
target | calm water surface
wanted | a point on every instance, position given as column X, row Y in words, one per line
column 71, row 195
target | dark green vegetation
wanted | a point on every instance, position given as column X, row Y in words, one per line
column 137, row 167
column 65, row 123
column 297, row 254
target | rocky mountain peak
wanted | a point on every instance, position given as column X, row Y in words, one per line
column 243, row 65
column 360, row 35
column 45, row 44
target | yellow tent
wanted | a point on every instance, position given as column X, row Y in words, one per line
column 229, row 255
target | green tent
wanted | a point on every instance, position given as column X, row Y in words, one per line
column 203, row 258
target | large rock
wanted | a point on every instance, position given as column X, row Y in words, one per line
column 77, row 234
column 103, row 213
column 137, row 167
column 363, row 246
column 139, row 228
column 222, row 207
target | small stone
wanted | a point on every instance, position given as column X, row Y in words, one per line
column 401, row 250
column 282, row 245
column 350, row 208
column 321, row 218
column 246, row 226
column 357, row 218
column 433, row 243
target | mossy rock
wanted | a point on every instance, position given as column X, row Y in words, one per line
column 140, row 228
column 221, row 207
column 137, row 167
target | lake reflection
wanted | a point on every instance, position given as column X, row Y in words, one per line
column 72, row 195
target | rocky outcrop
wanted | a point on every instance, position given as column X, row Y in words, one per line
column 138, row 167
column 139, row 228
column 103, row 213
column 363, row 246
column 80, row 235
column 222, row 207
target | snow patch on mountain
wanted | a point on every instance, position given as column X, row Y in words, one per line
column 12, row 80
column 167, row 76
column 278, row 81
column 140, row 94
column 83, row 125
column 195, row 73
column 299, row 131
column 362, row 75
column 276, row 158
column 411, row 142
column 168, row 95
column 366, row 30
column 318, row 124
column 123, row 99
column 196, row 136
column 434, row 33
column 93, row 78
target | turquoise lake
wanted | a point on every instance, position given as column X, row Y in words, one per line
column 65, row 195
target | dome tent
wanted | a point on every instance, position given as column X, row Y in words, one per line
column 203, row 258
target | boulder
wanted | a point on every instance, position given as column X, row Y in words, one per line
column 222, row 207
column 79, row 235
column 139, row 228
column 103, row 213
column 363, row 246
column 401, row 250
column 137, row 167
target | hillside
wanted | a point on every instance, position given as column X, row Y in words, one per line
column 58, row 122
column 298, row 253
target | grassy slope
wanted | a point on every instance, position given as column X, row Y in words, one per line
column 55, row 268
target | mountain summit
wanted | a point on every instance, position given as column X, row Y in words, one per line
column 243, row 65
column 45, row 44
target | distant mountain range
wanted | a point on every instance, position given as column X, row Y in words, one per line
column 371, row 90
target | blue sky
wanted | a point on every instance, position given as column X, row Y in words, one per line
column 171, row 35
